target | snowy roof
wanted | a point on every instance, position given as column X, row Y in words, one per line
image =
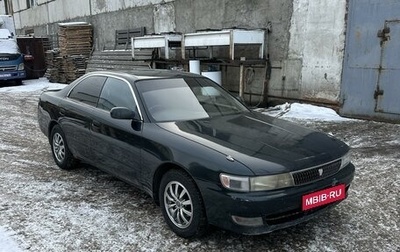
column 74, row 24
column 9, row 46
column 5, row 34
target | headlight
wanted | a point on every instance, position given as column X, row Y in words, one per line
column 235, row 183
column 261, row 183
column 271, row 182
column 346, row 159
column 21, row 67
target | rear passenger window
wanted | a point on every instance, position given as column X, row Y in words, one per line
column 116, row 93
column 88, row 90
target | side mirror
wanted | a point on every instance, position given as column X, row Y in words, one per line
column 123, row 113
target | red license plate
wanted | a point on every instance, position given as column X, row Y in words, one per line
column 323, row 197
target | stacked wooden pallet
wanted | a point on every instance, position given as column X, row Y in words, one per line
column 64, row 69
column 53, row 62
column 118, row 60
column 69, row 61
column 75, row 39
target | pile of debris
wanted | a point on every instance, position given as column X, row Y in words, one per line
column 68, row 62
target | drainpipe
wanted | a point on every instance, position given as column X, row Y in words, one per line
column 241, row 78
column 96, row 44
column 90, row 8
column 48, row 21
column 6, row 8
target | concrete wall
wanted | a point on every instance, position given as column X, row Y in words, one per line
column 105, row 16
column 2, row 8
column 54, row 11
column 305, row 44
column 162, row 16
column 197, row 15
column 313, row 68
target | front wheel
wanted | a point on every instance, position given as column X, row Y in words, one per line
column 59, row 148
column 182, row 205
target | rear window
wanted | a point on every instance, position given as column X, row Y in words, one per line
column 88, row 90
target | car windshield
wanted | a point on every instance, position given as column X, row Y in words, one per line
column 184, row 99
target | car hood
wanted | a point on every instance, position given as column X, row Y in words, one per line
column 264, row 144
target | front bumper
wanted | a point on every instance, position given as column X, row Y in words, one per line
column 278, row 209
column 12, row 75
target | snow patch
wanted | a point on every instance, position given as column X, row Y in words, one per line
column 303, row 112
column 32, row 86
column 7, row 244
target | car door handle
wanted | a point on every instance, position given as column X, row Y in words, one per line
column 96, row 124
column 62, row 112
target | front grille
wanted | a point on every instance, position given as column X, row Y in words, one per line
column 7, row 56
column 316, row 173
column 8, row 68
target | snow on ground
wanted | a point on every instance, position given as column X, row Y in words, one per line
column 7, row 244
column 46, row 209
column 32, row 86
column 304, row 112
column 293, row 111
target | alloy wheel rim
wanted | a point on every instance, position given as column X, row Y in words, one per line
column 58, row 147
column 178, row 204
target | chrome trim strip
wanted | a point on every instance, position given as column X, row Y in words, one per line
column 310, row 168
column 109, row 76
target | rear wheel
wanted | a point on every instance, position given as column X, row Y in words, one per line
column 59, row 148
column 182, row 205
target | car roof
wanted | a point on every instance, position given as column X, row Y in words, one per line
column 142, row 74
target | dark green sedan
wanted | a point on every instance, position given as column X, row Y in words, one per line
column 202, row 155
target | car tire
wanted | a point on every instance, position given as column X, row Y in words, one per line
column 182, row 205
column 59, row 148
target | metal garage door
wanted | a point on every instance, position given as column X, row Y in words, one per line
column 371, row 73
column 388, row 85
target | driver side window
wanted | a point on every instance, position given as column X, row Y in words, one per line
column 116, row 93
